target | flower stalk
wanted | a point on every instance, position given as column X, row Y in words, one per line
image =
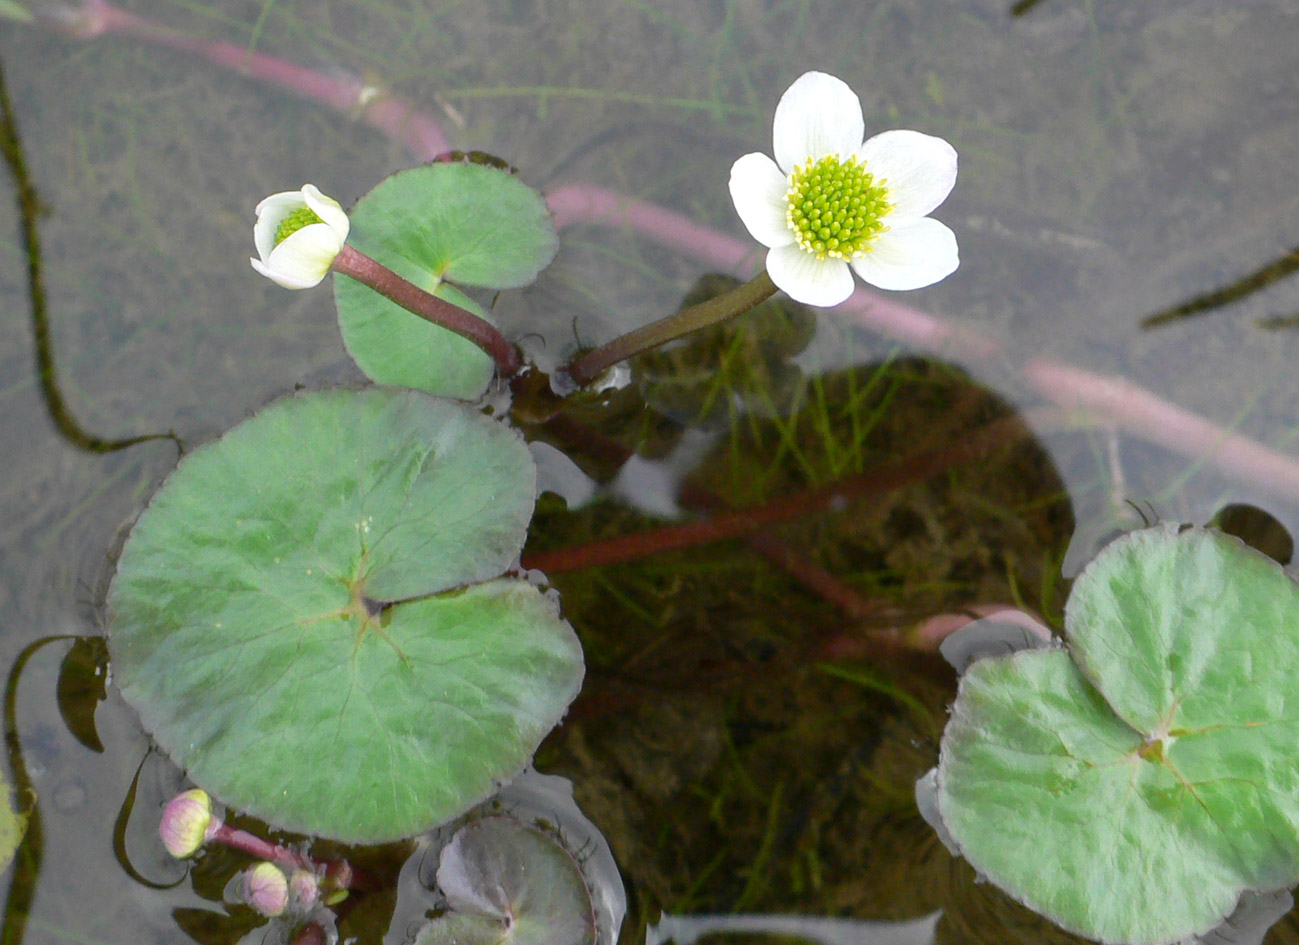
column 725, row 306
column 1107, row 398
column 370, row 272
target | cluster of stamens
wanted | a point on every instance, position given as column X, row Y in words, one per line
column 836, row 208
column 303, row 216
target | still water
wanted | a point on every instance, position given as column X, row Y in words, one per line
column 747, row 739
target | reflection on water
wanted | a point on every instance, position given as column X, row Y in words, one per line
column 755, row 718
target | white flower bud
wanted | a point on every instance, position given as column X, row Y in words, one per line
column 298, row 233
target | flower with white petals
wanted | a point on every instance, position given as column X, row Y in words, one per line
column 298, row 233
column 830, row 204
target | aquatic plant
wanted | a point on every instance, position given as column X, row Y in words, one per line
column 829, row 203
column 1140, row 782
column 463, row 304
column 298, row 235
column 334, row 644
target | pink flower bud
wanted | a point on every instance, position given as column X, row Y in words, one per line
column 187, row 823
column 266, row 889
column 304, row 890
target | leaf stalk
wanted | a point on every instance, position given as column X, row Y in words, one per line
column 370, row 272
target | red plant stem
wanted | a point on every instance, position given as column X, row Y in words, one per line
column 814, row 577
column 255, row 846
column 1128, row 406
column 743, row 522
column 397, row 119
column 352, row 262
column 1117, row 400
column 779, row 553
column 1154, row 419
column 338, row 873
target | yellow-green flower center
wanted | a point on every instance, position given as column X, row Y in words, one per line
column 836, row 208
column 303, row 216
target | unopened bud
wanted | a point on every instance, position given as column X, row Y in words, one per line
column 304, row 889
column 266, row 889
column 187, row 823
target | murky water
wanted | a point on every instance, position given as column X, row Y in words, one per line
column 748, row 738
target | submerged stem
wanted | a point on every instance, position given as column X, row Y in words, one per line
column 728, row 305
column 352, row 262
column 744, row 522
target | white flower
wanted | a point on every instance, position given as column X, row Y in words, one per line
column 829, row 203
column 298, row 233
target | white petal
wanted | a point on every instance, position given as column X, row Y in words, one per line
column 920, row 170
column 328, row 209
column 910, row 256
column 758, row 189
column 303, row 258
column 281, row 204
column 279, row 278
column 817, row 115
column 270, row 214
column 804, row 278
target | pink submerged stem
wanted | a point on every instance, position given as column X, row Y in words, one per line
column 1128, row 406
column 396, row 118
column 1116, row 400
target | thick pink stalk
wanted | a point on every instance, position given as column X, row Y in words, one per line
column 1126, row 405
column 1129, row 407
column 339, row 873
column 394, row 117
column 255, row 846
column 352, row 262
column 1154, row 419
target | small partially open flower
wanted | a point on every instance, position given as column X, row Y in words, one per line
column 187, row 823
column 830, row 204
column 298, row 233
column 266, row 889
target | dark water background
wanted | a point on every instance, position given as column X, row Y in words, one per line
column 746, row 744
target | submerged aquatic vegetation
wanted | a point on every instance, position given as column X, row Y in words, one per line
column 831, row 204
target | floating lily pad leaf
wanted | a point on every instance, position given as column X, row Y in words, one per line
column 509, row 883
column 467, row 223
column 393, row 346
column 1135, row 785
column 308, row 617
column 547, row 799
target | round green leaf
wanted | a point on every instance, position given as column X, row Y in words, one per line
column 308, row 617
column 510, row 884
column 1133, row 787
column 393, row 346
column 467, row 223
